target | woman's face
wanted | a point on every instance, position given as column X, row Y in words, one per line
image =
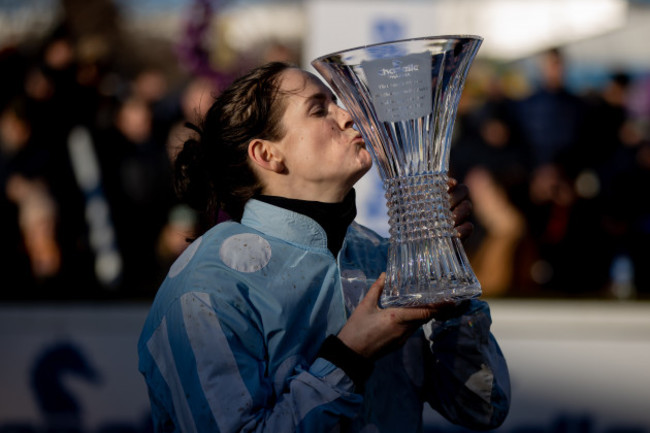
column 324, row 156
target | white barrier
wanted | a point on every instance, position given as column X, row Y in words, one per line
column 576, row 367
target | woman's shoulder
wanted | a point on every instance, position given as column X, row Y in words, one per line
column 218, row 250
column 206, row 260
column 208, row 270
column 366, row 249
column 361, row 234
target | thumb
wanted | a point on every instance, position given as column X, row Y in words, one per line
column 375, row 291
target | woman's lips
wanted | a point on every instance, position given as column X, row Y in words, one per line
column 358, row 140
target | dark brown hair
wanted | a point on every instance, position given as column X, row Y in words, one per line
column 212, row 171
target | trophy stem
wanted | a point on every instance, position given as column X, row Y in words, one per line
column 426, row 261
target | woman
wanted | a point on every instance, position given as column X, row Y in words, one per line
column 270, row 322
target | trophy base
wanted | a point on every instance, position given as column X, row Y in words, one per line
column 448, row 294
column 426, row 260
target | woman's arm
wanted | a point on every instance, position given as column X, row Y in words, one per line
column 206, row 368
column 467, row 376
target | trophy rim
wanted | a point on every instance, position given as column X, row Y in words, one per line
column 419, row 38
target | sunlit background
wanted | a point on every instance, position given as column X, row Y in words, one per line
column 552, row 137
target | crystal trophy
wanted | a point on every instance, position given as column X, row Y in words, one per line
column 403, row 96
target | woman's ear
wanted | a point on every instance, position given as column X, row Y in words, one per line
column 265, row 155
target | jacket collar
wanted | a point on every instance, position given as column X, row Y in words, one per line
column 284, row 224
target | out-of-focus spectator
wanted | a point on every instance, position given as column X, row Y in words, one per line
column 495, row 258
column 136, row 182
column 551, row 120
column 491, row 158
column 625, row 217
column 15, row 134
column 639, row 176
column 175, row 235
column 196, row 99
column 37, row 222
column 591, row 168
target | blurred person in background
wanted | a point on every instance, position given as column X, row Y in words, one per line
column 550, row 118
column 595, row 167
column 20, row 203
column 171, row 113
column 270, row 321
column 491, row 158
column 136, row 181
column 624, row 220
column 551, row 121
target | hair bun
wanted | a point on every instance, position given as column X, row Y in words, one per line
column 192, row 183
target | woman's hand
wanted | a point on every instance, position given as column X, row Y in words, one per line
column 461, row 208
column 372, row 331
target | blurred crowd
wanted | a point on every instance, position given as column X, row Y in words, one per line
column 87, row 208
column 90, row 120
column 557, row 180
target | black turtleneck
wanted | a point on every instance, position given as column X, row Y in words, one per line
column 334, row 218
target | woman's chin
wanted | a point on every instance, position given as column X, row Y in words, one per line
column 364, row 158
column 365, row 168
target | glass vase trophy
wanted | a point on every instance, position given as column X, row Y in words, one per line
column 403, row 97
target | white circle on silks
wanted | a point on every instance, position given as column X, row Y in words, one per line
column 246, row 252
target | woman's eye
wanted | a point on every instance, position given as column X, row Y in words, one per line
column 318, row 111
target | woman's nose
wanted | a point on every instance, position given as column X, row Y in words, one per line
column 344, row 119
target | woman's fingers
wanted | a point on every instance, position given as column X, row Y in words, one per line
column 461, row 208
column 461, row 215
column 457, row 192
column 462, row 211
column 375, row 291
column 465, row 230
column 415, row 316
